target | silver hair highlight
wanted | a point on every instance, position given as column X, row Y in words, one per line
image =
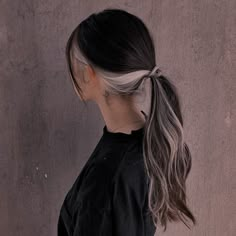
column 135, row 83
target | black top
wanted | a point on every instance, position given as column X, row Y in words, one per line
column 110, row 195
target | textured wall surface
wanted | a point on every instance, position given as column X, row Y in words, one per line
column 46, row 134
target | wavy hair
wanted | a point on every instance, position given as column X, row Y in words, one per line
column 119, row 47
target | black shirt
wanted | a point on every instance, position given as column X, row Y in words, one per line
column 110, row 195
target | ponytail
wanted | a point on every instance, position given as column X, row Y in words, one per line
column 166, row 156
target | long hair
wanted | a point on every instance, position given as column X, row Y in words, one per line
column 118, row 45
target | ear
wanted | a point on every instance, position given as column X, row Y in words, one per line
column 91, row 73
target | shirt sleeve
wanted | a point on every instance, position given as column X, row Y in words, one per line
column 128, row 201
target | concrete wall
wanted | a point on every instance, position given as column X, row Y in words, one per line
column 46, row 134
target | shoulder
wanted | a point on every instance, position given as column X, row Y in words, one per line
column 132, row 166
column 94, row 185
column 111, row 172
column 131, row 178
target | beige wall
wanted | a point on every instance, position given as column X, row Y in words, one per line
column 46, row 135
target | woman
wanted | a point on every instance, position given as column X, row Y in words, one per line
column 135, row 177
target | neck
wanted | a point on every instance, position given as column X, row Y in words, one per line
column 120, row 115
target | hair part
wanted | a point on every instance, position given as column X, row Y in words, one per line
column 118, row 45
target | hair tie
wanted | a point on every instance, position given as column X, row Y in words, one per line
column 154, row 70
